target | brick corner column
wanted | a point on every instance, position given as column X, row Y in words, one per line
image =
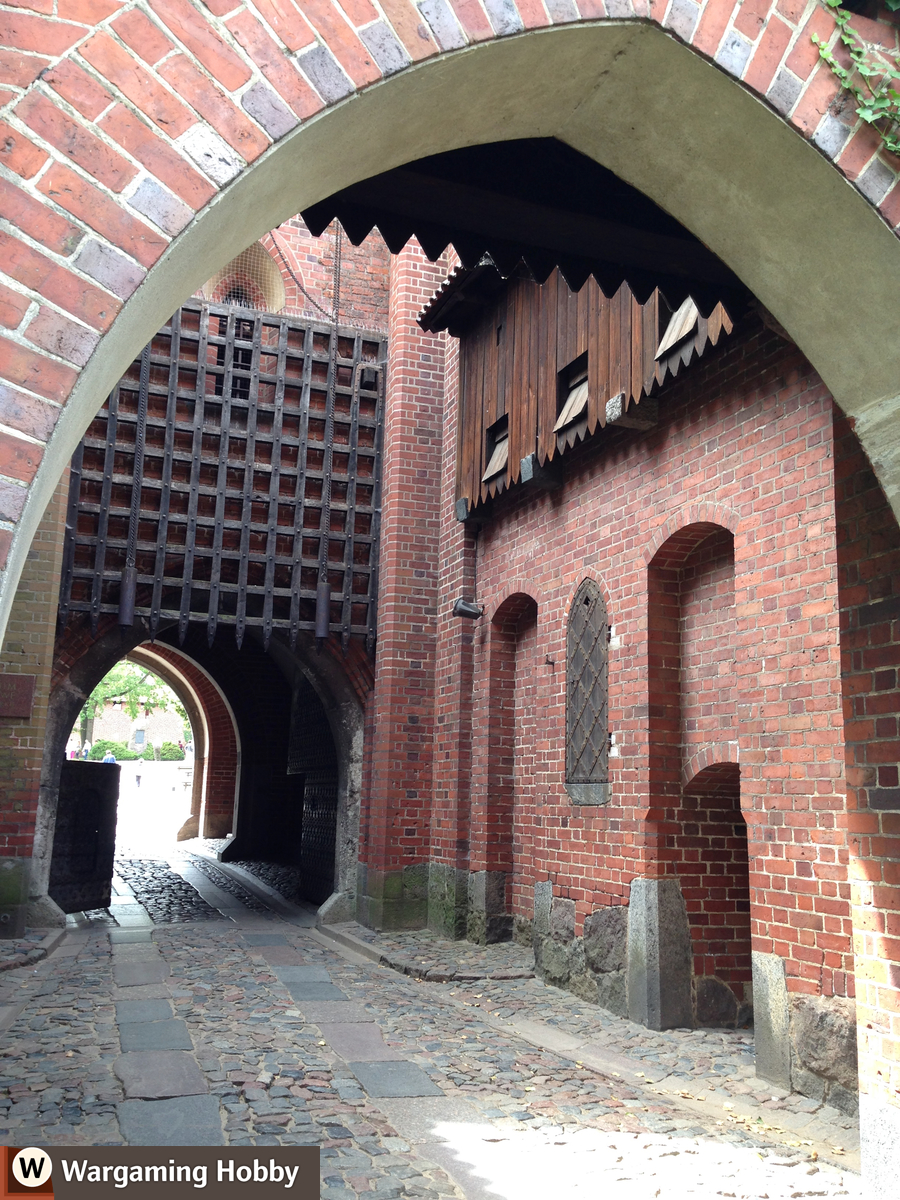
column 395, row 846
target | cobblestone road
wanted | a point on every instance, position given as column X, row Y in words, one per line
column 254, row 1029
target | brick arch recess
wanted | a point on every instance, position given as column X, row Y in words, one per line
column 221, row 750
column 691, row 633
column 122, row 122
column 495, row 748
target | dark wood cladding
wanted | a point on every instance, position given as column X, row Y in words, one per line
column 511, row 358
column 211, row 472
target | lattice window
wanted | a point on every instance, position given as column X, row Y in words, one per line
column 587, row 697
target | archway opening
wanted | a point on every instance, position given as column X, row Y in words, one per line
column 138, row 721
column 127, row 779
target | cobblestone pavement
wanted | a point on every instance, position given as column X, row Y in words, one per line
column 166, row 898
column 253, row 1030
column 26, row 950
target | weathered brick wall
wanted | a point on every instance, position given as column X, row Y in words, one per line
column 744, row 445
column 869, row 561
column 708, row 642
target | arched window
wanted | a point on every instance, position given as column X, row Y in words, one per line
column 587, row 697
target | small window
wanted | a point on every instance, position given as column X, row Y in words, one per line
column 587, row 698
column 571, row 424
column 682, row 323
column 496, row 449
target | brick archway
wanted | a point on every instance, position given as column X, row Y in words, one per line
column 217, row 752
column 144, row 146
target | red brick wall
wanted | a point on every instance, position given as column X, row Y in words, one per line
column 706, row 841
column 869, row 560
column 397, row 810
column 744, row 443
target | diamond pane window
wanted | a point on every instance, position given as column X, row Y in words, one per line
column 587, row 732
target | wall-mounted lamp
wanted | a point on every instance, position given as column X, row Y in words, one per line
column 468, row 609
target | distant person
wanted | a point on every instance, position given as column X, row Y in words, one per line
column 109, row 756
column 85, row 750
column 137, row 778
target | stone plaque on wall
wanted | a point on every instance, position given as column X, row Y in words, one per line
column 16, row 696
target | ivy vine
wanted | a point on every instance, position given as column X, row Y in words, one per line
column 872, row 78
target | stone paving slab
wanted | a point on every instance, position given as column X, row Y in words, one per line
column 159, row 1074
column 128, row 1011
column 123, row 952
column 302, row 973
column 120, row 907
column 169, row 1034
column 121, row 937
column 305, row 993
column 264, row 939
column 281, row 956
column 137, row 974
column 394, row 1079
column 334, row 1012
column 68, row 950
column 140, row 991
column 183, row 1121
column 361, row 1042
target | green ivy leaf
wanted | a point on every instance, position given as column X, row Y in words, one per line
column 868, row 80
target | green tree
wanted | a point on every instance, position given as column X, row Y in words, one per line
column 134, row 687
